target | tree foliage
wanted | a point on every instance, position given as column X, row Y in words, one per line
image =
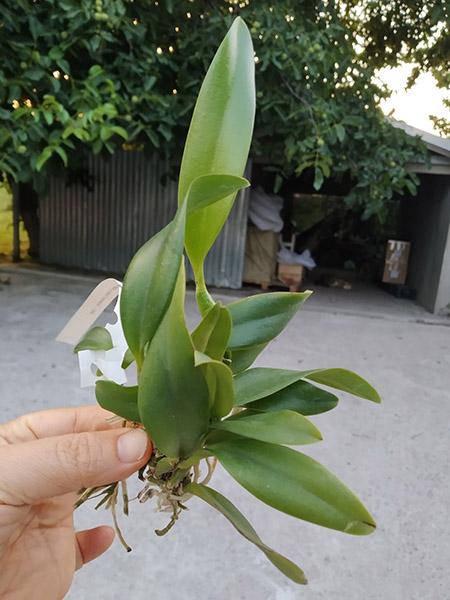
column 404, row 31
column 95, row 74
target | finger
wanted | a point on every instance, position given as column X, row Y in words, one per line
column 41, row 469
column 92, row 543
column 55, row 421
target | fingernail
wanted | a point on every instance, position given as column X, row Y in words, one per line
column 132, row 445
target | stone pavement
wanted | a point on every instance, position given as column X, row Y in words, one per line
column 393, row 455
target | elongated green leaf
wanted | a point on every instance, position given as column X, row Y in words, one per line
column 118, row 399
column 282, row 427
column 173, row 397
column 257, row 383
column 220, row 384
column 219, row 135
column 150, row 278
column 149, row 284
column 260, row 382
column 301, row 397
column 294, row 483
column 97, row 338
column 237, row 519
column 258, row 319
column 43, row 157
column 346, row 381
column 209, row 189
column 212, row 334
column 242, row 359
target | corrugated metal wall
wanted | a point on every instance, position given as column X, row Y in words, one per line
column 102, row 229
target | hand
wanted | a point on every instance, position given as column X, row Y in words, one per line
column 45, row 458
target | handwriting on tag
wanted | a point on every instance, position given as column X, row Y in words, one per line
column 89, row 311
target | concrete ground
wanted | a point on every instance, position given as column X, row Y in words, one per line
column 393, row 455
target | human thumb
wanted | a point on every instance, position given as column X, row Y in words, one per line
column 37, row 470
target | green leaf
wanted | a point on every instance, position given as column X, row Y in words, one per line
column 173, row 397
column 219, row 379
column 301, row 397
column 56, row 53
column 294, row 483
column 62, row 153
column 208, row 189
column 150, row 278
column 105, row 133
column 128, row 359
column 120, row 131
column 258, row 319
column 340, row 132
column 318, row 178
column 212, row 334
column 260, row 382
column 243, row 358
column 237, row 519
column 219, row 135
column 48, row 116
column 43, row 157
column 118, row 399
column 97, row 338
column 282, row 427
column 149, row 284
column 346, row 381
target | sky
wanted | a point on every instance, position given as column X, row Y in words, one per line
column 413, row 106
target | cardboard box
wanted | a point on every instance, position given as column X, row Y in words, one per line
column 396, row 262
column 290, row 274
column 260, row 262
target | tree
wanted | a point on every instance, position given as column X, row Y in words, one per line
column 85, row 74
column 404, row 31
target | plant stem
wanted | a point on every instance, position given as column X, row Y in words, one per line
column 203, row 297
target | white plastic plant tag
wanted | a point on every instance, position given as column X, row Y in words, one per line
column 89, row 311
column 109, row 362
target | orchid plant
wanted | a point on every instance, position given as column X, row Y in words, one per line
column 197, row 395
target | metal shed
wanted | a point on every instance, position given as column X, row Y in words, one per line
column 100, row 229
column 426, row 224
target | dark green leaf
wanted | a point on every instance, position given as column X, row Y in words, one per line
column 294, row 483
column 258, row 319
column 118, row 399
column 148, row 285
column 260, row 382
column 340, row 132
column 318, row 178
column 145, row 299
column 62, row 153
column 282, row 427
column 173, row 396
column 97, row 338
column 43, row 157
column 236, row 518
column 301, row 397
column 242, row 359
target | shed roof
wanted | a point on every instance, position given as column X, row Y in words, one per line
column 439, row 148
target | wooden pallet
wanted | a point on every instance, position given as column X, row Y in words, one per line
column 292, row 286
